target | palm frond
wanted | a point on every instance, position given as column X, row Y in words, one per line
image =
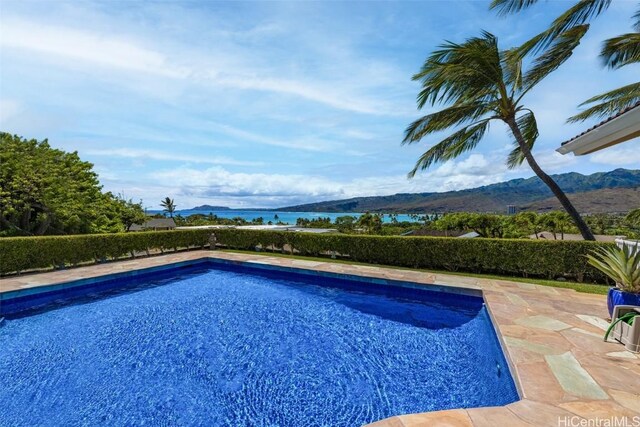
column 460, row 73
column 621, row 50
column 636, row 19
column 609, row 103
column 506, row 7
column 557, row 53
column 627, row 91
column 512, row 64
column 579, row 14
column 451, row 147
column 444, row 119
column 529, row 128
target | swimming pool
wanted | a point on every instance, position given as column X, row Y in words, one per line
column 221, row 344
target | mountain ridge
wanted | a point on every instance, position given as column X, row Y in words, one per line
column 523, row 193
column 210, row 208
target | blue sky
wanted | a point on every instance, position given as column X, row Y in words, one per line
column 265, row 104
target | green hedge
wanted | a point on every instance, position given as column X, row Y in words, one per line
column 526, row 258
column 513, row 257
column 25, row 253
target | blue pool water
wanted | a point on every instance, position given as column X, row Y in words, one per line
column 233, row 346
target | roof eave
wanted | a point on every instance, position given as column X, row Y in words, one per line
column 620, row 129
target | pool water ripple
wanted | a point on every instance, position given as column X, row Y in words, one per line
column 229, row 348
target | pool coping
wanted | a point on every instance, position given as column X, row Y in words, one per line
column 551, row 337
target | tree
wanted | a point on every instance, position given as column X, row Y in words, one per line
column 600, row 222
column 320, row 222
column 48, row 191
column 632, row 220
column 345, row 223
column 180, row 220
column 479, row 83
column 526, row 223
column 450, row 222
column 370, row 223
column 129, row 212
column 168, row 206
column 486, row 225
column 556, row 222
column 616, row 52
column 238, row 220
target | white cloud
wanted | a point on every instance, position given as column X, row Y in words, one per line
column 475, row 164
column 218, row 181
column 161, row 78
column 103, row 49
column 474, row 171
column 233, row 69
column 552, row 161
column 311, row 90
column 282, row 189
column 626, row 154
column 159, row 155
column 306, row 143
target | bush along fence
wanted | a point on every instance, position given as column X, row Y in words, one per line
column 512, row 257
column 18, row 254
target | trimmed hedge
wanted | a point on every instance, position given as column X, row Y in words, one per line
column 25, row 253
column 512, row 257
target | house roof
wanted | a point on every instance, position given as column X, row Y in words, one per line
column 548, row 235
column 469, row 235
column 620, row 127
column 434, row 233
column 160, row 223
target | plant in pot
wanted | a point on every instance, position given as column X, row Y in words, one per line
column 622, row 265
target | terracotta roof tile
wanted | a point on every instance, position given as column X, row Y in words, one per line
column 615, row 116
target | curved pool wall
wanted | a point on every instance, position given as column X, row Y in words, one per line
column 222, row 343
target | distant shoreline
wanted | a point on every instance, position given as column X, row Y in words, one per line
column 286, row 217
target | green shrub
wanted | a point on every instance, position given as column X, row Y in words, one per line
column 25, row 253
column 514, row 257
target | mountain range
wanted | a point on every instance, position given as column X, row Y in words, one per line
column 210, row 208
column 602, row 192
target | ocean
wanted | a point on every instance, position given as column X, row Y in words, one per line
column 275, row 216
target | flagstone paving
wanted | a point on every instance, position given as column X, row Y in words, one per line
column 543, row 322
column 552, row 337
column 573, row 378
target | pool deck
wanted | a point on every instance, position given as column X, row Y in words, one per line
column 552, row 338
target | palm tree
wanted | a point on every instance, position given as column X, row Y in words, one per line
column 370, row 223
column 168, row 205
column 479, row 83
column 616, row 52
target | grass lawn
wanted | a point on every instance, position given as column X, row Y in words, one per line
column 580, row 287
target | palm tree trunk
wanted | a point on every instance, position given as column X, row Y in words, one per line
column 553, row 186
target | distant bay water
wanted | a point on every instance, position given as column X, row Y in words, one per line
column 275, row 216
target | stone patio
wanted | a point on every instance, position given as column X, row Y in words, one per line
column 552, row 337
